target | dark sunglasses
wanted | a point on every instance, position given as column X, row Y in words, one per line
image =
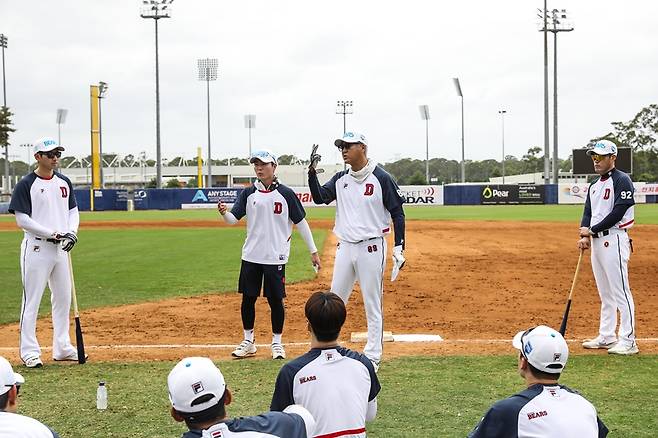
column 599, row 157
column 51, row 154
column 347, row 146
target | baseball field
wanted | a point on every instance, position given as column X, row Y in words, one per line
column 155, row 286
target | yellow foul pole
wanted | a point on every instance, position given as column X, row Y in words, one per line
column 95, row 139
column 199, row 164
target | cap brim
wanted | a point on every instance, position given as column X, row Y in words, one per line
column 340, row 142
column 19, row 379
column 516, row 342
column 267, row 160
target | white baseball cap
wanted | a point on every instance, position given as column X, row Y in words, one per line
column 264, row 155
column 8, row 377
column 192, row 378
column 46, row 144
column 351, row 137
column 603, row 147
column 543, row 347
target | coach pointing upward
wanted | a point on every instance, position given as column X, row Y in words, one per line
column 367, row 199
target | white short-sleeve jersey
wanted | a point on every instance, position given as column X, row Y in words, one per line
column 16, row 425
column 46, row 201
column 270, row 216
column 612, row 190
column 334, row 384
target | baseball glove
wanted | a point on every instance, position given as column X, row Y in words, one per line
column 315, row 159
column 68, row 241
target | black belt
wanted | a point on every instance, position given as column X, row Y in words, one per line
column 604, row 233
column 366, row 240
column 55, row 241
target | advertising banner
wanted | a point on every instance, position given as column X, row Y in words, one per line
column 207, row 198
column 577, row 193
column 499, row 194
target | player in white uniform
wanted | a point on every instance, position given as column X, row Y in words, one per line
column 11, row 423
column 545, row 408
column 338, row 386
column 271, row 208
column 199, row 396
column 608, row 215
column 367, row 199
column 45, row 208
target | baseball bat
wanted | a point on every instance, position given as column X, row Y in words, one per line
column 563, row 326
column 79, row 341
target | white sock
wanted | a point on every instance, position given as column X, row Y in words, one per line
column 249, row 335
column 276, row 338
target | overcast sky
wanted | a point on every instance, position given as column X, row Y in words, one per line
column 288, row 61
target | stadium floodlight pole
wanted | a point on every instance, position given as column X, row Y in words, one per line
column 425, row 115
column 157, row 9
column 344, row 107
column 3, row 44
column 460, row 94
column 250, row 123
column 560, row 24
column 502, row 120
column 208, row 72
column 28, row 147
column 547, row 169
column 102, row 90
column 60, row 120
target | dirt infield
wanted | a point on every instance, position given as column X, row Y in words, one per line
column 473, row 283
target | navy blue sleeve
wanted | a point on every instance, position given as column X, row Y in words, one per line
column 326, row 193
column 393, row 201
column 375, row 386
column 500, row 421
column 587, row 213
column 55, row 435
column 296, row 211
column 278, row 424
column 72, row 200
column 603, row 430
column 240, row 207
column 282, row 396
column 21, row 200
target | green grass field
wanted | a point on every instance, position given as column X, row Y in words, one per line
column 421, row 397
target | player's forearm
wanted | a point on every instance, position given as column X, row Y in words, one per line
column 397, row 216
column 74, row 220
column 229, row 218
column 319, row 194
column 306, row 234
column 611, row 219
column 31, row 226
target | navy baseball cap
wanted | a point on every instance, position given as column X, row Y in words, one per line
column 603, row 147
column 46, row 144
column 351, row 137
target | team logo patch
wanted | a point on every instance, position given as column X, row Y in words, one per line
column 65, row 191
column 539, row 414
column 36, row 248
column 606, row 194
column 197, row 387
column 329, row 356
column 278, row 208
column 556, row 357
column 307, row 379
column 345, row 185
column 528, row 348
column 370, row 189
column 606, row 244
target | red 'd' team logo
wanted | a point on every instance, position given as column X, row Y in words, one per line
column 606, row 194
column 65, row 191
column 370, row 189
column 278, row 208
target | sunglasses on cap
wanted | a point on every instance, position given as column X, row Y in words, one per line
column 51, row 154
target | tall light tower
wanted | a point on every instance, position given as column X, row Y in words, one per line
column 547, row 169
column 157, row 9
column 60, row 120
column 3, row 44
column 250, row 123
column 344, row 107
column 502, row 121
column 208, row 72
column 460, row 94
column 560, row 23
column 425, row 115
column 102, row 91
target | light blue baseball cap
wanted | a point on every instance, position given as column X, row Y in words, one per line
column 264, row 155
column 46, row 144
column 603, row 147
column 351, row 137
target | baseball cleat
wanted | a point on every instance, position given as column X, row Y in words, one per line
column 33, row 362
column 624, row 350
column 246, row 348
column 73, row 357
column 278, row 352
column 597, row 343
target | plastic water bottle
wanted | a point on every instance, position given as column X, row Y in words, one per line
column 101, row 396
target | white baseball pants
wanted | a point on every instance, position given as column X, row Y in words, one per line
column 610, row 256
column 364, row 261
column 44, row 263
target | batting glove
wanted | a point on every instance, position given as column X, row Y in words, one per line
column 398, row 262
column 68, row 241
column 315, row 159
